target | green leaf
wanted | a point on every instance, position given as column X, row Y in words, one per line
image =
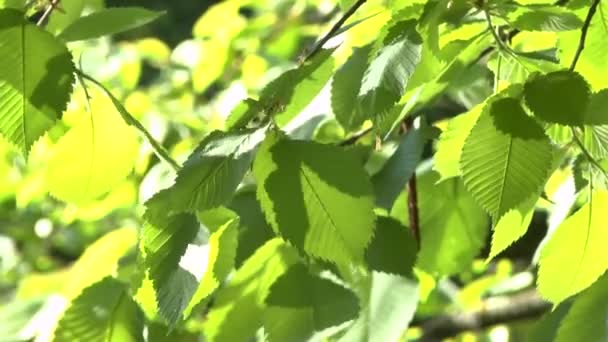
column 291, row 92
column 243, row 114
column 597, row 110
column 171, row 257
column 108, row 21
column 595, row 140
column 345, row 87
column 88, row 160
column 386, row 78
column 254, row 231
column 220, row 256
column 238, row 309
column 391, row 180
column 512, row 226
column 392, row 302
column 393, row 249
column 506, row 158
column 300, row 304
column 453, row 227
column 36, row 79
column 586, row 319
column 70, row 10
column 544, row 18
column 574, row 257
column 99, row 260
column 569, row 94
column 210, row 175
column 451, row 141
column 104, row 312
column 15, row 318
column 545, row 329
column 316, row 196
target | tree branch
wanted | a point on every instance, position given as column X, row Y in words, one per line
column 584, row 29
column 319, row 45
column 49, row 9
column 497, row 310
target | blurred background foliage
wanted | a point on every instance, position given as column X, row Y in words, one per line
column 181, row 77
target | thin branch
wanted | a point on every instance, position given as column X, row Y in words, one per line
column 49, row 9
column 319, row 45
column 497, row 310
column 584, row 29
column 412, row 192
column 355, row 137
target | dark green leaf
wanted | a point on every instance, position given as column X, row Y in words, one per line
column 391, row 180
column 586, row 319
column 300, row 304
column 316, row 196
column 559, row 97
column 393, row 248
column 345, row 87
column 108, row 21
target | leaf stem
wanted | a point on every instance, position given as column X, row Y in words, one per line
column 588, row 155
column 584, row 29
column 160, row 151
column 47, row 12
column 319, row 45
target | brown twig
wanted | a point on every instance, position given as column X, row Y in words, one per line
column 524, row 305
column 584, row 29
column 319, row 45
column 412, row 191
column 49, row 9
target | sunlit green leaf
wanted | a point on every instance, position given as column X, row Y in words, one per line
column 292, row 91
column 88, row 160
column 239, row 307
column 35, row 80
column 104, row 312
column 451, row 141
column 506, row 158
column 210, row 175
column 392, row 301
column 453, row 228
column 512, row 226
column 563, row 274
column 544, row 18
column 220, row 256
column 172, row 259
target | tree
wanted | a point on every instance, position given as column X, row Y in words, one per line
column 421, row 170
